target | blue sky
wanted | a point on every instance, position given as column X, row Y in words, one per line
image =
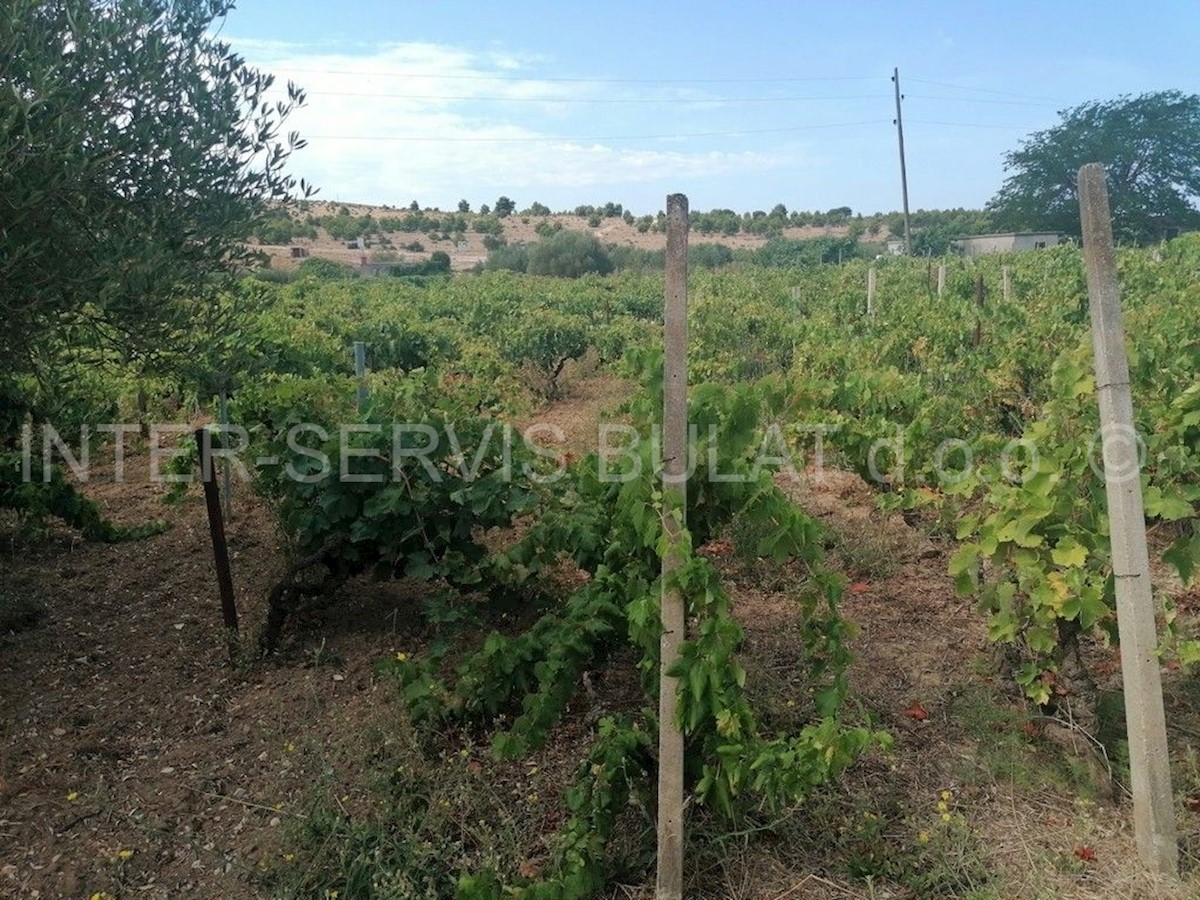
column 741, row 105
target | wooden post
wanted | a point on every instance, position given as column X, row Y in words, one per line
column 980, row 291
column 216, row 527
column 669, row 882
column 941, row 280
column 871, row 291
column 1005, row 282
column 360, row 372
column 1153, row 812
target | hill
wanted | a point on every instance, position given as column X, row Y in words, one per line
column 312, row 234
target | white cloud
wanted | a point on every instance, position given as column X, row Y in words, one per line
column 437, row 123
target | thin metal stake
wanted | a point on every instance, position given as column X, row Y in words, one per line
column 216, row 527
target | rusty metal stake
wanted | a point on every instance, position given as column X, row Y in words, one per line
column 216, row 526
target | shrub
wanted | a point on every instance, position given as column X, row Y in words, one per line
column 514, row 258
column 437, row 264
column 635, row 259
column 545, row 343
column 787, row 253
column 487, row 225
column 568, row 254
column 709, row 256
column 325, row 269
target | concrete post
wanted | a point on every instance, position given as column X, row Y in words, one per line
column 1153, row 812
column 871, row 291
column 941, row 280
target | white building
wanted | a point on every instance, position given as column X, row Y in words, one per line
column 1011, row 242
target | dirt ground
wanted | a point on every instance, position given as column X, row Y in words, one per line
column 135, row 761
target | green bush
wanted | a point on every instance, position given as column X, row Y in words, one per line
column 437, row 264
column 784, row 253
column 514, row 258
column 568, row 254
column 273, row 276
column 487, row 225
column 545, row 342
column 635, row 259
column 325, row 269
column 709, row 256
column 282, row 229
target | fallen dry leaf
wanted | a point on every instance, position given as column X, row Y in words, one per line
column 528, row 869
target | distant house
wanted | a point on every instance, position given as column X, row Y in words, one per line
column 895, row 248
column 1011, row 242
column 299, row 252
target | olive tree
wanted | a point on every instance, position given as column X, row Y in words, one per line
column 137, row 152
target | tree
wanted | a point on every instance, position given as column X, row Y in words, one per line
column 504, row 207
column 136, row 156
column 1150, row 147
column 464, row 206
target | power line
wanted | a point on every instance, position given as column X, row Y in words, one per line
column 963, row 87
column 974, row 125
column 980, row 100
column 547, row 139
column 577, row 100
column 581, row 80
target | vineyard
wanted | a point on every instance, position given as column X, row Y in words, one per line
column 896, row 573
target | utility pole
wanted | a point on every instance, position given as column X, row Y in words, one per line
column 903, row 169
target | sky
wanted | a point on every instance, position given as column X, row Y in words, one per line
column 738, row 105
